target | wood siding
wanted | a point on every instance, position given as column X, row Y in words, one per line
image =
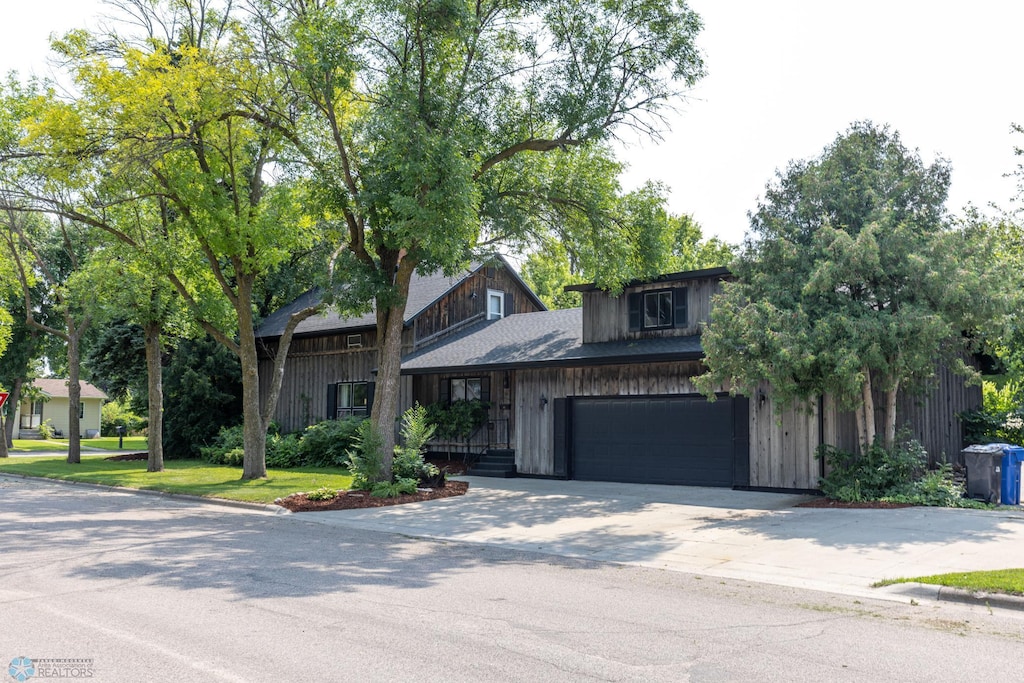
column 467, row 304
column 783, row 443
column 606, row 318
column 497, row 433
column 534, row 425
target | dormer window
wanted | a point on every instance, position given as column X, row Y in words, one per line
column 495, row 304
column 658, row 309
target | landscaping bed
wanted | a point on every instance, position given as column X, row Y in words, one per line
column 850, row 505
column 353, row 500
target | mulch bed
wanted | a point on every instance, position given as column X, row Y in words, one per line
column 129, row 456
column 866, row 505
column 352, row 500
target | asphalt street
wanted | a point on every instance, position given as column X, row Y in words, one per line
column 145, row 588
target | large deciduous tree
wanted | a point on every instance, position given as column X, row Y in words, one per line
column 853, row 281
column 434, row 127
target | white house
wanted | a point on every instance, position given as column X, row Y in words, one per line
column 30, row 414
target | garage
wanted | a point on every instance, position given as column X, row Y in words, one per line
column 681, row 440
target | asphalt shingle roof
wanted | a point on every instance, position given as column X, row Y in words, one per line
column 58, row 388
column 423, row 291
column 542, row 338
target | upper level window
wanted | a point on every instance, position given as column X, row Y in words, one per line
column 495, row 304
column 658, row 309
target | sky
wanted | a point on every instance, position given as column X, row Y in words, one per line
column 784, row 79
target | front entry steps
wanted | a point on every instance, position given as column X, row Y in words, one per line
column 496, row 462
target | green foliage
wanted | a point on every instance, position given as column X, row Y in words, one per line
column 878, row 473
column 853, row 277
column 366, row 457
column 119, row 413
column 393, row 489
column 416, row 431
column 458, row 420
column 45, row 429
column 228, row 440
column 895, row 475
column 283, row 451
column 202, row 394
column 327, row 443
column 322, row 493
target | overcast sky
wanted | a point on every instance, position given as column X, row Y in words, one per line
column 785, row 77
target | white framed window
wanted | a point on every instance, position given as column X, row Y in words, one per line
column 495, row 304
column 354, row 341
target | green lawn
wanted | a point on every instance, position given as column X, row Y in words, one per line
column 194, row 477
column 998, row 581
column 131, row 443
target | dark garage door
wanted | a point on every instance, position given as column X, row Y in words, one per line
column 660, row 440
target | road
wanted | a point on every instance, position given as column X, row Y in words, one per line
column 144, row 588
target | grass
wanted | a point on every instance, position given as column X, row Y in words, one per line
column 131, row 443
column 1009, row 581
column 194, row 477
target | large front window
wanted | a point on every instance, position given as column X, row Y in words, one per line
column 351, row 399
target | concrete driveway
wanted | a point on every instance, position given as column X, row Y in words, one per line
column 717, row 532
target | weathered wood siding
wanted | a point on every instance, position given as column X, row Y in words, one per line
column 314, row 363
column 929, row 416
column 425, row 390
column 467, row 304
column 534, row 424
column 606, row 318
column 783, row 443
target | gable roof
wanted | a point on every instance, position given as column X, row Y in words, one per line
column 545, row 338
column 58, row 388
column 668, row 277
column 424, row 292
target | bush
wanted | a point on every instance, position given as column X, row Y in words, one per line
column 393, row 489
column 323, row 493
column 365, row 458
column 457, row 421
column 45, row 429
column 408, row 463
column 936, row 488
column 119, row 413
column 327, row 444
column 229, row 439
column 874, row 475
column 283, row 451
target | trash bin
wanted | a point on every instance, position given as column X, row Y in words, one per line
column 1009, row 490
column 984, row 471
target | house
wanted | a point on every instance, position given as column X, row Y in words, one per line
column 605, row 392
column 331, row 361
column 53, row 406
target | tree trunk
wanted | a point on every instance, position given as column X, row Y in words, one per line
column 869, row 432
column 390, row 324
column 277, row 378
column 12, row 406
column 154, row 376
column 74, row 396
column 890, row 415
column 254, row 430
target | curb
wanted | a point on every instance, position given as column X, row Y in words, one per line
column 928, row 591
column 224, row 502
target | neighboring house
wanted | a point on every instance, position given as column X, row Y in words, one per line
column 606, row 393
column 30, row 414
column 332, row 359
column 603, row 392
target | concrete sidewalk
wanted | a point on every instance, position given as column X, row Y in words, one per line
column 716, row 532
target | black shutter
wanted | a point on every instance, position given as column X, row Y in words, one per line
column 371, row 387
column 634, row 311
column 560, row 443
column 332, row 401
column 510, row 303
column 485, row 389
column 444, row 388
column 680, row 300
